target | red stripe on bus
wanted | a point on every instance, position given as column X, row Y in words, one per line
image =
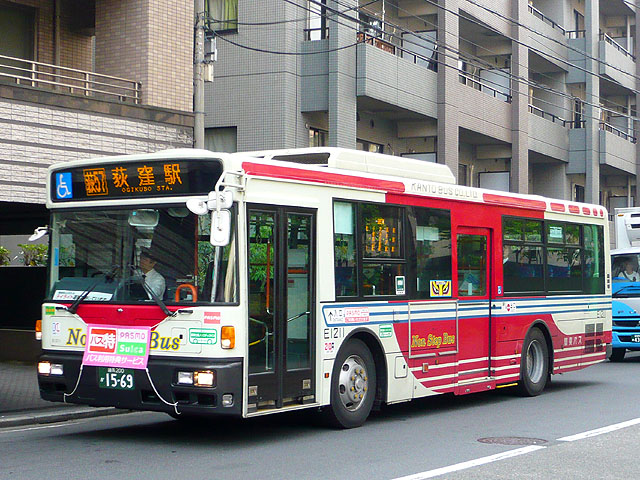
column 322, row 177
column 514, row 202
column 574, row 209
column 557, row 207
column 586, row 211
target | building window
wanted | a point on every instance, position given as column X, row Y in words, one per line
column 578, row 193
column 221, row 139
column 318, row 138
column 317, row 26
column 463, row 178
column 17, row 25
column 222, row 15
column 369, row 146
column 371, row 25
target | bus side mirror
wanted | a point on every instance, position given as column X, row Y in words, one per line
column 220, row 228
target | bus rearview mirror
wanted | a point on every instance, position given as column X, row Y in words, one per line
column 144, row 217
column 220, row 227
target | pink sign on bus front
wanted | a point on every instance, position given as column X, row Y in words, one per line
column 113, row 346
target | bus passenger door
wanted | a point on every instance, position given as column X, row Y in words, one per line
column 474, row 311
column 281, row 298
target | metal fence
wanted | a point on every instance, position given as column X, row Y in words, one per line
column 55, row 77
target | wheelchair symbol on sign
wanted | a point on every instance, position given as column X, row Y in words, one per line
column 63, row 186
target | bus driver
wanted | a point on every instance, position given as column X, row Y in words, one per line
column 152, row 278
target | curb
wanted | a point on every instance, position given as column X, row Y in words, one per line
column 57, row 415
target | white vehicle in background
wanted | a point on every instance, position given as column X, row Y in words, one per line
column 625, row 289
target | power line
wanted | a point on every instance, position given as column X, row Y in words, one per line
column 337, row 13
column 526, row 27
column 522, row 80
column 275, row 52
column 478, row 61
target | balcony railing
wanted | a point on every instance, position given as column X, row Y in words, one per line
column 478, row 84
column 537, row 13
column 607, row 127
column 429, row 62
column 616, row 45
column 571, row 34
column 377, row 42
column 71, row 80
column 549, row 116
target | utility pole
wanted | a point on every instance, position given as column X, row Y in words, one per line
column 198, row 76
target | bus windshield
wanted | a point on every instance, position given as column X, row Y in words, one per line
column 626, row 277
column 119, row 255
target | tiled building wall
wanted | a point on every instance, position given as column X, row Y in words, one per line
column 150, row 41
column 34, row 136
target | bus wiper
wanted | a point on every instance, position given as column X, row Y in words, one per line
column 109, row 277
column 151, row 293
column 627, row 289
column 156, row 299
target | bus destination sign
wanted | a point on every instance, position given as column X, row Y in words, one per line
column 133, row 180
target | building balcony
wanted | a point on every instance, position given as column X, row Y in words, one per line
column 617, row 148
column 616, row 61
column 405, row 81
column 18, row 71
column 552, row 39
column 548, row 134
column 385, row 73
column 482, row 85
column 542, row 17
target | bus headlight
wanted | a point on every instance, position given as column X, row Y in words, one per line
column 44, row 368
column 203, row 378
column 48, row 368
column 185, row 378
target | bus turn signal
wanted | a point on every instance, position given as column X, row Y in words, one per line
column 228, row 337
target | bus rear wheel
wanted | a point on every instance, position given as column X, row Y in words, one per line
column 534, row 364
column 353, row 386
column 617, row 354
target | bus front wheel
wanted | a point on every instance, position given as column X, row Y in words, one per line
column 534, row 364
column 353, row 386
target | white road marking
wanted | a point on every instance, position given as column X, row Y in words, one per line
column 472, row 463
column 600, row 431
column 514, row 453
column 40, row 427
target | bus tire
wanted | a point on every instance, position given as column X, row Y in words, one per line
column 617, row 354
column 353, row 386
column 534, row 364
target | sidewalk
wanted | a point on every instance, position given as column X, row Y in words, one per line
column 20, row 402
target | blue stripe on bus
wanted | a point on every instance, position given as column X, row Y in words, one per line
column 468, row 309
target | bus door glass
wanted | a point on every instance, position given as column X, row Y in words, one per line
column 281, row 290
column 474, row 274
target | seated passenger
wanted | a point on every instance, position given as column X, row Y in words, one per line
column 630, row 273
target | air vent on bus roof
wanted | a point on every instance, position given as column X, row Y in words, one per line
column 311, row 158
column 360, row 161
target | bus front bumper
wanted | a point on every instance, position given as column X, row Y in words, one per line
column 629, row 339
column 154, row 389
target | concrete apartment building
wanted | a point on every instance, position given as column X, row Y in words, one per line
column 534, row 97
column 79, row 79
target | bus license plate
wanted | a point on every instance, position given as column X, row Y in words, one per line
column 116, row 378
column 635, row 338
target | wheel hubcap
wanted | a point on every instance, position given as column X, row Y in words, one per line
column 535, row 361
column 353, row 383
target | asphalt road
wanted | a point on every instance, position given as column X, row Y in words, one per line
column 442, row 437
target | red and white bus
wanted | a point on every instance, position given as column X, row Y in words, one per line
column 200, row 283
